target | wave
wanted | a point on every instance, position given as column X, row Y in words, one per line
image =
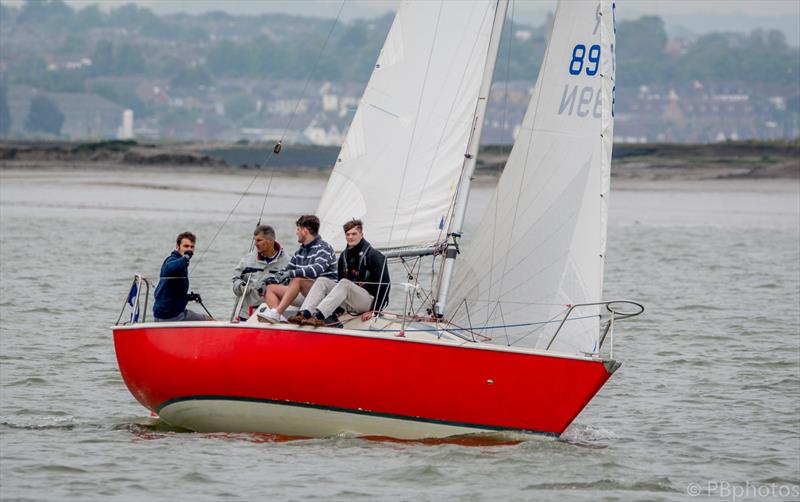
column 604, row 484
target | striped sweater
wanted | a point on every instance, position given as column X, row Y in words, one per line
column 312, row 260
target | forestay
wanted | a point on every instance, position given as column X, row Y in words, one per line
column 541, row 242
column 399, row 166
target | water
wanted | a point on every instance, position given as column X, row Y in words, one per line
column 708, row 393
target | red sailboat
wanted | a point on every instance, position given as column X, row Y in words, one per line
column 514, row 338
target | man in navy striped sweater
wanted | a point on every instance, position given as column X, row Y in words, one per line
column 315, row 258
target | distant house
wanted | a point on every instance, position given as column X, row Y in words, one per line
column 62, row 63
column 152, row 93
column 325, row 132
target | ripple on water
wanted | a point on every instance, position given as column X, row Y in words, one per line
column 60, row 469
column 662, row 484
column 350, row 494
column 28, row 382
column 44, row 311
column 37, row 427
column 197, row 477
column 781, row 480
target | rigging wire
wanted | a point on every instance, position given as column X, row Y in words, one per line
column 275, row 150
column 508, row 68
column 494, row 196
column 449, row 328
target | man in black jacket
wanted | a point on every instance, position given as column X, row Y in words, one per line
column 363, row 285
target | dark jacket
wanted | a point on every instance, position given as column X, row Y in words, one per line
column 173, row 286
column 367, row 267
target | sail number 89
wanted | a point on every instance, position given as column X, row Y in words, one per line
column 579, row 54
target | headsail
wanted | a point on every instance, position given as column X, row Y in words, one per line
column 541, row 242
column 399, row 167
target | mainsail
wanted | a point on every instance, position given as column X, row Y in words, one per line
column 399, row 166
column 541, row 243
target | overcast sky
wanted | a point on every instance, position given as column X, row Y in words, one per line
column 699, row 16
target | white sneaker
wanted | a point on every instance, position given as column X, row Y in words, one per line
column 266, row 314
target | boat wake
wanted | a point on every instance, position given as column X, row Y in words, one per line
column 152, row 428
column 587, row 436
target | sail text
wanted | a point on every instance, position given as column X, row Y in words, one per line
column 580, row 101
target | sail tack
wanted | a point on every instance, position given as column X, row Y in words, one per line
column 540, row 245
column 400, row 164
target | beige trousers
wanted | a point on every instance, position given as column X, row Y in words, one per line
column 326, row 295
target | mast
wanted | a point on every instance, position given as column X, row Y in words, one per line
column 470, row 159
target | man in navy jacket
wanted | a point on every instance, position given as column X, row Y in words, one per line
column 172, row 292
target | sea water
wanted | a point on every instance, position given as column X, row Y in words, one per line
column 706, row 403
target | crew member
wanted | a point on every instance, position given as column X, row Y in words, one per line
column 172, row 292
column 363, row 286
column 256, row 266
column 314, row 259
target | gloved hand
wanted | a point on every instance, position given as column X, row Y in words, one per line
column 238, row 287
column 194, row 297
column 281, row 276
column 187, row 255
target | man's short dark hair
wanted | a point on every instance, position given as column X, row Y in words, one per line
column 310, row 222
column 353, row 224
column 265, row 230
column 185, row 235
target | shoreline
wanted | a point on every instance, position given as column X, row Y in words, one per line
column 481, row 179
column 633, row 166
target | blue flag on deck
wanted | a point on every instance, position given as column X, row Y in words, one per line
column 134, row 292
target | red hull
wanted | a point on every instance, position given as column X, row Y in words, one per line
column 374, row 375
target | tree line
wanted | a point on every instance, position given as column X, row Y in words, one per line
column 293, row 47
column 43, row 116
column 642, row 55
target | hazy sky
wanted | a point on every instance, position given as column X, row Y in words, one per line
column 699, row 16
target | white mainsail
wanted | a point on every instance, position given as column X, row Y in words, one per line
column 400, row 163
column 540, row 245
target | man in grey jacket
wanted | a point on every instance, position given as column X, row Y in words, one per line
column 256, row 267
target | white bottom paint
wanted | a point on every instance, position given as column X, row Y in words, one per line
column 210, row 415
